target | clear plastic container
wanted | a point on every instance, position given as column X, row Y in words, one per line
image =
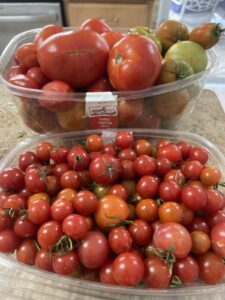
column 30, row 283
column 160, row 106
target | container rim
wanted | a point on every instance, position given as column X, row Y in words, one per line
column 8, row 52
column 89, row 288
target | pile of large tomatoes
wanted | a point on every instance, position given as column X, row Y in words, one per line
column 124, row 212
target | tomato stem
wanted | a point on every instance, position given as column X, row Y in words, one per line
column 63, row 246
column 119, row 59
column 123, row 222
column 175, row 281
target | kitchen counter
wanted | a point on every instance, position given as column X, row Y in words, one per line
column 207, row 119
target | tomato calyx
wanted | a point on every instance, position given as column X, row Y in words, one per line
column 175, row 281
column 217, row 30
column 165, row 254
column 9, row 211
column 159, row 201
column 109, row 169
column 64, row 245
column 118, row 59
column 123, row 222
column 43, row 172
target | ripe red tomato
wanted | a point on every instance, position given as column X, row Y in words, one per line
column 157, row 273
column 105, row 273
column 85, row 203
column 120, row 240
column 54, row 101
column 78, row 158
column 60, row 209
column 218, row 238
column 65, row 264
column 75, row 226
column 124, row 139
column 173, row 234
column 79, row 57
column 37, row 75
column 24, row 228
column 147, row 186
column 171, row 152
column 39, row 211
column 186, row 269
column 12, row 179
column 193, row 197
column 96, row 25
column 100, row 85
column 93, row 250
column 128, row 269
column 43, row 260
column 9, row 241
column 26, row 252
column 48, row 234
column 105, row 169
column 46, row 32
column 134, row 63
column 112, row 37
column 23, row 81
column 26, row 56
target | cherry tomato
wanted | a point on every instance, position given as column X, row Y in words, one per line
column 24, row 228
column 96, row 25
column 124, row 139
column 111, row 211
column 147, row 186
column 94, row 142
column 144, row 165
column 60, row 209
column 105, row 169
column 215, row 218
column 192, row 169
column 9, row 241
column 185, row 148
column 170, row 212
column 27, row 159
column 109, row 149
column 12, row 179
column 120, row 240
column 46, row 32
column 52, row 185
column 65, row 264
column 141, row 232
column 43, row 260
column 127, row 154
column 112, row 37
column 134, row 63
column 26, row 252
column 200, row 242
column 163, row 166
column 50, row 98
column 157, row 273
column 67, row 194
column 198, row 223
column 188, row 215
column 105, row 273
column 39, row 211
column 193, row 197
column 5, row 219
column 211, row 267
column 38, row 196
column 43, row 151
column 70, row 179
column 59, row 154
column 171, row 152
column 93, row 250
column 147, row 209
column 118, row 190
column 26, row 56
column 48, row 234
column 127, row 169
column 186, row 269
column 72, row 60
column 78, row 159
column 218, row 238
column 142, row 146
column 169, row 191
column 75, row 226
column 35, row 181
column 210, row 176
column 60, row 169
column 176, row 175
column 173, row 234
column 214, row 201
column 128, row 269
column 38, row 76
column 198, row 153
column 85, row 203
column 15, row 202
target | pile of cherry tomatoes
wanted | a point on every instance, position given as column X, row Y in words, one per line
column 126, row 212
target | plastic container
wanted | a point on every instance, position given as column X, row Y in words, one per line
column 156, row 107
column 45, row 285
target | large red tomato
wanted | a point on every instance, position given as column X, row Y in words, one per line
column 134, row 63
column 76, row 57
column 96, row 25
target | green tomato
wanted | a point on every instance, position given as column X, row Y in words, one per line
column 190, row 52
column 145, row 31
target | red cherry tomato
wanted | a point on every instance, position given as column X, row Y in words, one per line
column 105, row 273
column 147, row 186
column 65, row 264
column 46, row 32
column 43, row 260
column 38, row 76
column 75, row 226
column 171, row 152
column 193, row 197
column 186, row 269
column 128, row 269
column 48, row 234
column 26, row 56
column 9, row 241
column 218, row 238
column 26, row 252
column 120, row 240
column 85, row 203
column 134, row 63
column 78, row 158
